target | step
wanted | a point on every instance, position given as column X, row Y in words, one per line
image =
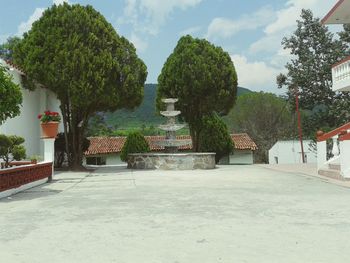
column 334, row 174
column 334, row 166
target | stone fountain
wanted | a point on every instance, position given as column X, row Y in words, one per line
column 171, row 159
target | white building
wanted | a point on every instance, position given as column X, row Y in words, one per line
column 27, row 124
column 106, row 150
column 289, row 151
column 338, row 166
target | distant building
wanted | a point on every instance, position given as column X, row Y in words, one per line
column 27, row 124
column 106, row 150
column 287, row 152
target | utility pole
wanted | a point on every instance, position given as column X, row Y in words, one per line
column 299, row 123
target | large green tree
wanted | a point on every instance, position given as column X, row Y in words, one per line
column 203, row 78
column 73, row 51
column 10, row 96
column 314, row 51
column 265, row 117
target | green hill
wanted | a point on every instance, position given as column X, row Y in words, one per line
column 146, row 113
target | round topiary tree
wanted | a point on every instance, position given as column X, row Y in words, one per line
column 135, row 143
column 10, row 96
column 214, row 137
column 202, row 76
column 73, row 51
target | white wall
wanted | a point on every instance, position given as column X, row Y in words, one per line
column 111, row 159
column 284, row 152
column 241, row 157
column 27, row 124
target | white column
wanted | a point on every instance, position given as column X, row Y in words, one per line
column 335, row 148
column 321, row 154
column 344, row 158
column 49, row 152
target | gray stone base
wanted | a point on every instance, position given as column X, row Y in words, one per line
column 171, row 161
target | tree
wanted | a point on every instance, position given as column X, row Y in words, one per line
column 11, row 148
column 73, row 51
column 6, row 49
column 203, row 78
column 315, row 51
column 265, row 117
column 61, row 154
column 135, row 143
column 215, row 137
column 10, row 96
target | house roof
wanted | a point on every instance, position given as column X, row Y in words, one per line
column 105, row 145
column 242, row 141
column 339, row 14
column 13, row 66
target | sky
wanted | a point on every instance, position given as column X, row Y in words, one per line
column 251, row 31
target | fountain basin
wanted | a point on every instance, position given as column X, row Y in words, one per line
column 171, row 161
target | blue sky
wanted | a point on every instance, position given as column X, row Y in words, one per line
column 251, row 31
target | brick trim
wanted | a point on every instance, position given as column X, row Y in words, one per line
column 15, row 177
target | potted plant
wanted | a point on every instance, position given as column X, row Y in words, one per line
column 34, row 159
column 49, row 123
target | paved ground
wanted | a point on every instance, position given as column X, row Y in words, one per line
column 230, row 214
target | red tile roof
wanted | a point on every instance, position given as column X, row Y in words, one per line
column 105, row 145
column 16, row 67
column 242, row 141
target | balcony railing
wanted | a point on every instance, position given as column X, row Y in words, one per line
column 341, row 75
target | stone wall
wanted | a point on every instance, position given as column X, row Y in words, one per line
column 173, row 161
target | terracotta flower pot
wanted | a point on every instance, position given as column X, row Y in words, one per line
column 49, row 129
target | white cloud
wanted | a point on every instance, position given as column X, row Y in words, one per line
column 140, row 44
column 38, row 12
column 224, row 27
column 254, row 74
column 60, row 2
column 27, row 25
column 283, row 25
column 147, row 16
column 190, row 31
column 286, row 17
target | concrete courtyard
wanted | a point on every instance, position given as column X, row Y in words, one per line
column 230, row 214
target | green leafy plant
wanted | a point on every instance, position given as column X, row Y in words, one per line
column 49, row 116
column 11, row 148
column 10, row 96
column 214, row 137
column 135, row 143
column 35, row 158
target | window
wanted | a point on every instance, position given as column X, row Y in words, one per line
column 96, row 160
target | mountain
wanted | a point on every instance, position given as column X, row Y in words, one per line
column 145, row 114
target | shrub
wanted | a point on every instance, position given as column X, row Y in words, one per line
column 214, row 137
column 135, row 143
column 11, row 148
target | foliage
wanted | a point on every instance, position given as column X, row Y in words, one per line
column 115, row 123
column 49, row 116
column 60, row 148
column 203, row 78
column 315, row 50
column 265, row 118
column 73, row 51
column 215, row 137
column 6, row 49
column 135, row 143
column 10, row 96
column 11, row 148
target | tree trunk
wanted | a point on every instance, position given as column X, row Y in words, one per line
column 64, row 117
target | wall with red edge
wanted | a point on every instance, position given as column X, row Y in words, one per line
column 17, row 177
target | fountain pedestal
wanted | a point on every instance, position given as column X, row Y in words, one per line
column 171, row 159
